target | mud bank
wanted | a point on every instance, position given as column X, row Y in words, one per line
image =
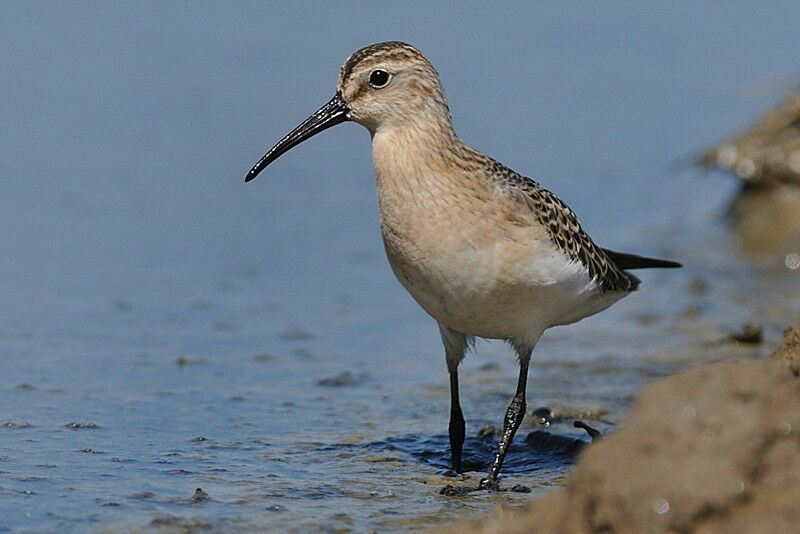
column 714, row 449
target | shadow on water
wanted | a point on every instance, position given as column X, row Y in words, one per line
column 539, row 450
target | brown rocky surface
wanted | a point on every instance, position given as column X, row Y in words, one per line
column 789, row 350
column 714, row 449
column 769, row 152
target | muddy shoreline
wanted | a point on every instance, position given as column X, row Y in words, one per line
column 714, row 448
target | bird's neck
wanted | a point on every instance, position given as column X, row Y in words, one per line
column 421, row 144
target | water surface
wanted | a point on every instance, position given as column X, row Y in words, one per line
column 166, row 327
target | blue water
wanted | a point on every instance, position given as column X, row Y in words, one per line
column 165, row 326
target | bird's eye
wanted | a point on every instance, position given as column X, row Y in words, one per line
column 378, row 78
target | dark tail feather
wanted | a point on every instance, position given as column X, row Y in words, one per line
column 632, row 261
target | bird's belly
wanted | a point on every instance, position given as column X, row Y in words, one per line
column 493, row 287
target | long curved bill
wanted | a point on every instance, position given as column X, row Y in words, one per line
column 331, row 114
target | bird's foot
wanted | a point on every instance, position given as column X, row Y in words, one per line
column 488, row 484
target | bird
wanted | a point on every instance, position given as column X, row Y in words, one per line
column 487, row 252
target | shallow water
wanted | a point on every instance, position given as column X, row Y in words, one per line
column 167, row 327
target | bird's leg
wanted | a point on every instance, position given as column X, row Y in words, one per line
column 455, row 346
column 514, row 415
column 456, row 422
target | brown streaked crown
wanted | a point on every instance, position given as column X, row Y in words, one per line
column 413, row 88
column 390, row 50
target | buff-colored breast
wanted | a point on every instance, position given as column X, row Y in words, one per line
column 470, row 253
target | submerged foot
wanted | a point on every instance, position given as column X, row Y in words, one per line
column 488, row 484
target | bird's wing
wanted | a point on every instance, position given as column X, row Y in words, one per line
column 566, row 232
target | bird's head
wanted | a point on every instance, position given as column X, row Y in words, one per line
column 384, row 84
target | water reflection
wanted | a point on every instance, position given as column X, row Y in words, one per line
column 766, row 157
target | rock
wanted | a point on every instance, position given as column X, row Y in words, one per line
column 200, row 496
column 345, row 378
column 767, row 153
column 749, row 334
column 714, row 449
column 789, row 349
column 788, row 353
